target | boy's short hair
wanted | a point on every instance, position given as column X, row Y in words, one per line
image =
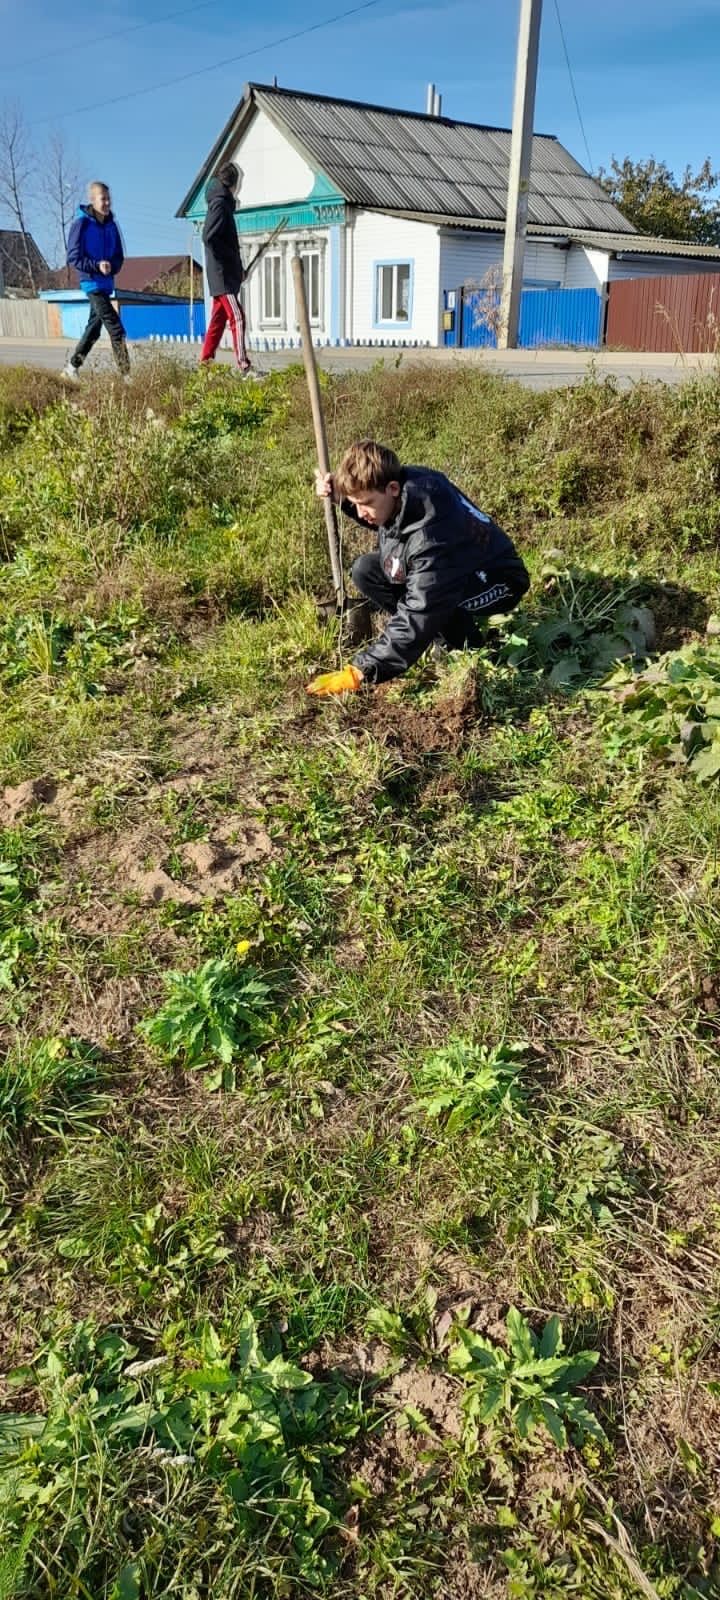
column 367, row 465
column 229, row 174
column 95, row 185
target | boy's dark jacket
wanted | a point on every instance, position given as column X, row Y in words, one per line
column 91, row 242
column 223, row 262
column 435, row 549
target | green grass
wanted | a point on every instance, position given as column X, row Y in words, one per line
column 360, row 1220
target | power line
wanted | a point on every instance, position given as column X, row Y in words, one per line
column 572, row 86
column 101, row 38
column 227, row 61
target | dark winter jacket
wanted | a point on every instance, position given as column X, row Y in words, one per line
column 439, row 548
column 223, row 262
column 89, row 243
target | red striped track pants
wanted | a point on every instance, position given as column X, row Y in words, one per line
column 226, row 308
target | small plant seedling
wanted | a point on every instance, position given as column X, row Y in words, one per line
column 530, row 1383
column 16, row 937
column 211, row 1015
column 465, row 1083
column 48, row 1086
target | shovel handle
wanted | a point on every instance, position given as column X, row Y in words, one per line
column 321, row 444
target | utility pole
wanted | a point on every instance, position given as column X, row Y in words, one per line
column 519, row 181
column 191, row 264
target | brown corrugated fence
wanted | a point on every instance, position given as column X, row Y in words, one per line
column 673, row 313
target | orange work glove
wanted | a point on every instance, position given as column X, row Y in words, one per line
column 344, row 682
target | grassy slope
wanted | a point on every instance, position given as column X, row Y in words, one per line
column 458, row 860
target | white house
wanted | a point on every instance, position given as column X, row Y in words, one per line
column 391, row 209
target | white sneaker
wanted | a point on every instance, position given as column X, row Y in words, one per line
column 70, row 373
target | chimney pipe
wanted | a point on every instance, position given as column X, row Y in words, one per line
column 437, row 104
column 430, row 100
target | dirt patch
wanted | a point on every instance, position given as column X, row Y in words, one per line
column 25, row 797
column 64, row 802
column 547, row 1478
column 141, row 860
column 708, row 1001
column 679, row 613
column 112, row 1014
column 439, row 728
column 463, row 1579
column 371, row 1360
column 350, row 954
column 434, row 1394
column 414, row 730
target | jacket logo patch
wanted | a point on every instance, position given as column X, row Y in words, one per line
column 394, row 569
column 489, row 597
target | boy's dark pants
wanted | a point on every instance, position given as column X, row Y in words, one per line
column 102, row 314
column 500, row 592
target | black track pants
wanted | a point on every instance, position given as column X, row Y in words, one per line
column 102, row 314
column 487, row 595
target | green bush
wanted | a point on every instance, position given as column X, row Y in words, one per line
column 671, row 710
column 248, row 1441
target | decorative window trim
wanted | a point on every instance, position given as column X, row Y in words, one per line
column 393, row 323
column 317, row 318
column 272, row 321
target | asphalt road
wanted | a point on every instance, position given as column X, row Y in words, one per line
column 537, row 369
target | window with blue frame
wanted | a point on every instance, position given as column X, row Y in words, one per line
column 393, row 280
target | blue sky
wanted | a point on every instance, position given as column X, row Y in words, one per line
column 646, row 74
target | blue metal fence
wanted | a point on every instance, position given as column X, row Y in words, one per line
column 139, row 321
column 547, row 317
column 142, row 321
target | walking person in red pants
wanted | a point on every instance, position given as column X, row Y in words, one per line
column 223, row 264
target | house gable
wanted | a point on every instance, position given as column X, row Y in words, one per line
column 277, row 181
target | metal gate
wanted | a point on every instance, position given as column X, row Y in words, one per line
column 547, row 317
column 669, row 313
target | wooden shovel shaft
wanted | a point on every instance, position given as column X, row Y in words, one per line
column 321, row 443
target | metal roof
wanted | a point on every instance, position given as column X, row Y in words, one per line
column 641, row 244
column 385, row 159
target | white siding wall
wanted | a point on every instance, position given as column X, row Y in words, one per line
column 586, row 269
column 273, row 170
column 376, row 238
column 660, row 267
column 545, row 262
column 466, row 257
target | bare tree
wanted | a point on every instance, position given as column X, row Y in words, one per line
column 60, row 187
column 18, row 173
column 487, row 299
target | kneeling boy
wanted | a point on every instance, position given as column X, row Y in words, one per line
column 441, row 565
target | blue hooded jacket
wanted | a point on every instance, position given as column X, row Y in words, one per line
column 91, row 242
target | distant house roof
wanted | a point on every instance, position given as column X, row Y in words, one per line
column 636, row 244
column 405, row 161
column 643, row 244
column 13, row 263
column 139, row 272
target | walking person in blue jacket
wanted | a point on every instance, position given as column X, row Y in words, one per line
column 95, row 250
